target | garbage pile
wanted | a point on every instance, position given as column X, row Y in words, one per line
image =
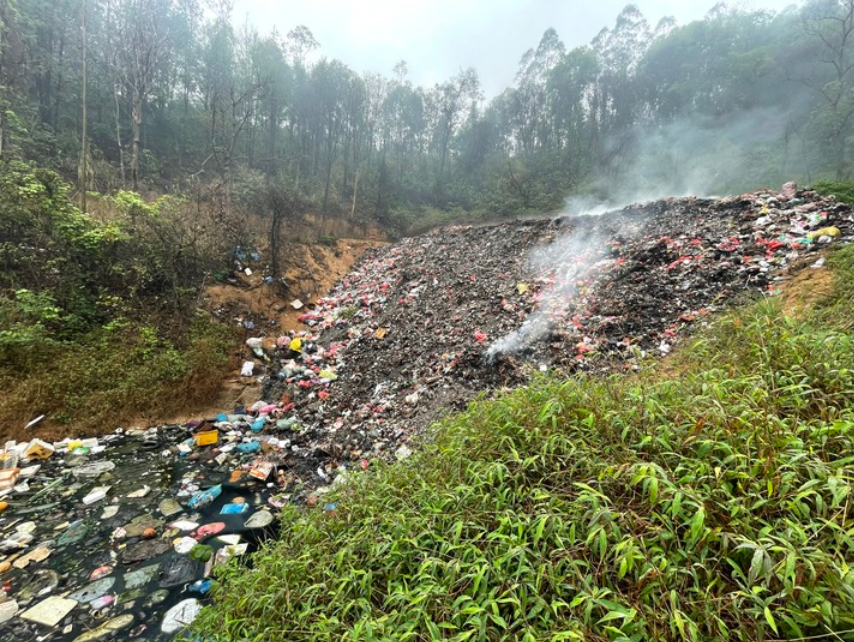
column 422, row 327
column 117, row 537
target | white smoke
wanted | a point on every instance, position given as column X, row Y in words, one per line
column 707, row 156
column 568, row 264
column 565, row 263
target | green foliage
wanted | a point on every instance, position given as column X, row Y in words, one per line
column 24, row 320
column 842, row 190
column 143, row 260
column 114, row 374
column 739, row 99
column 836, row 310
column 712, row 506
column 97, row 317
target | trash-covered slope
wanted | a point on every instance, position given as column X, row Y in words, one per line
column 424, row 326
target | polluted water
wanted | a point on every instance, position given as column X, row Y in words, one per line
column 117, row 537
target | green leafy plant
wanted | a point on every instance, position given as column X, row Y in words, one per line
column 120, row 372
column 98, row 316
column 842, row 190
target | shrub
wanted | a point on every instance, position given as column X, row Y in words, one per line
column 842, row 190
column 115, row 374
column 98, row 316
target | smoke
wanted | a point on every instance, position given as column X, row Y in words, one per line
column 706, row 156
column 564, row 264
column 701, row 157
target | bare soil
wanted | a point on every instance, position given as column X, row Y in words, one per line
column 311, row 270
column 805, row 287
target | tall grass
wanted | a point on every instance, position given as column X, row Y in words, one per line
column 114, row 374
column 711, row 505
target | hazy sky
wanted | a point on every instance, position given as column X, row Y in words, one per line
column 439, row 37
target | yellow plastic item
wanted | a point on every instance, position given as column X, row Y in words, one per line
column 825, row 231
column 206, row 438
column 3, row 506
column 296, row 345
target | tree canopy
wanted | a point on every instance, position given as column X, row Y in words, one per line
column 176, row 93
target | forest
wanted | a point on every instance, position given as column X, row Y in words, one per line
column 177, row 96
column 143, row 143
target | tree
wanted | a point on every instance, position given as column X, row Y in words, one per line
column 569, row 87
column 179, row 93
column 283, row 204
column 301, row 42
column 531, row 118
column 84, row 135
column 330, row 82
column 12, row 68
column 451, row 100
column 274, row 77
column 829, row 24
column 145, row 46
column 230, row 91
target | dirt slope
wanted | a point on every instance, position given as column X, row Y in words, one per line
column 311, row 271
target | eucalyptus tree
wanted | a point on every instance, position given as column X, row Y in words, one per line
column 829, row 27
column 230, row 88
column 570, row 85
column 274, row 77
column 331, row 82
column 404, row 124
column 145, row 48
column 44, row 35
column 614, row 99
column 452, row 98
column 532, row 120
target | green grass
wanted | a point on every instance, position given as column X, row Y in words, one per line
column 118, row 373
column 842, row 190
column 713, row 504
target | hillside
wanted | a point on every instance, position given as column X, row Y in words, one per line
column 627, row 475
column 423, row 327
column 706, row 498
column 426, row 322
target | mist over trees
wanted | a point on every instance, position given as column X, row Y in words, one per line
column 177, row 94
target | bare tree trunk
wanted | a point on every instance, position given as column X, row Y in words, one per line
column 355, row 192
column 275, row 233
column 3, row 24
column 324, row 209
column 59, row 81
column 84, row 147
column 136, row 119
column 119, row 136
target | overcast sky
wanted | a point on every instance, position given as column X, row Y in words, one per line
column 439, row 37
